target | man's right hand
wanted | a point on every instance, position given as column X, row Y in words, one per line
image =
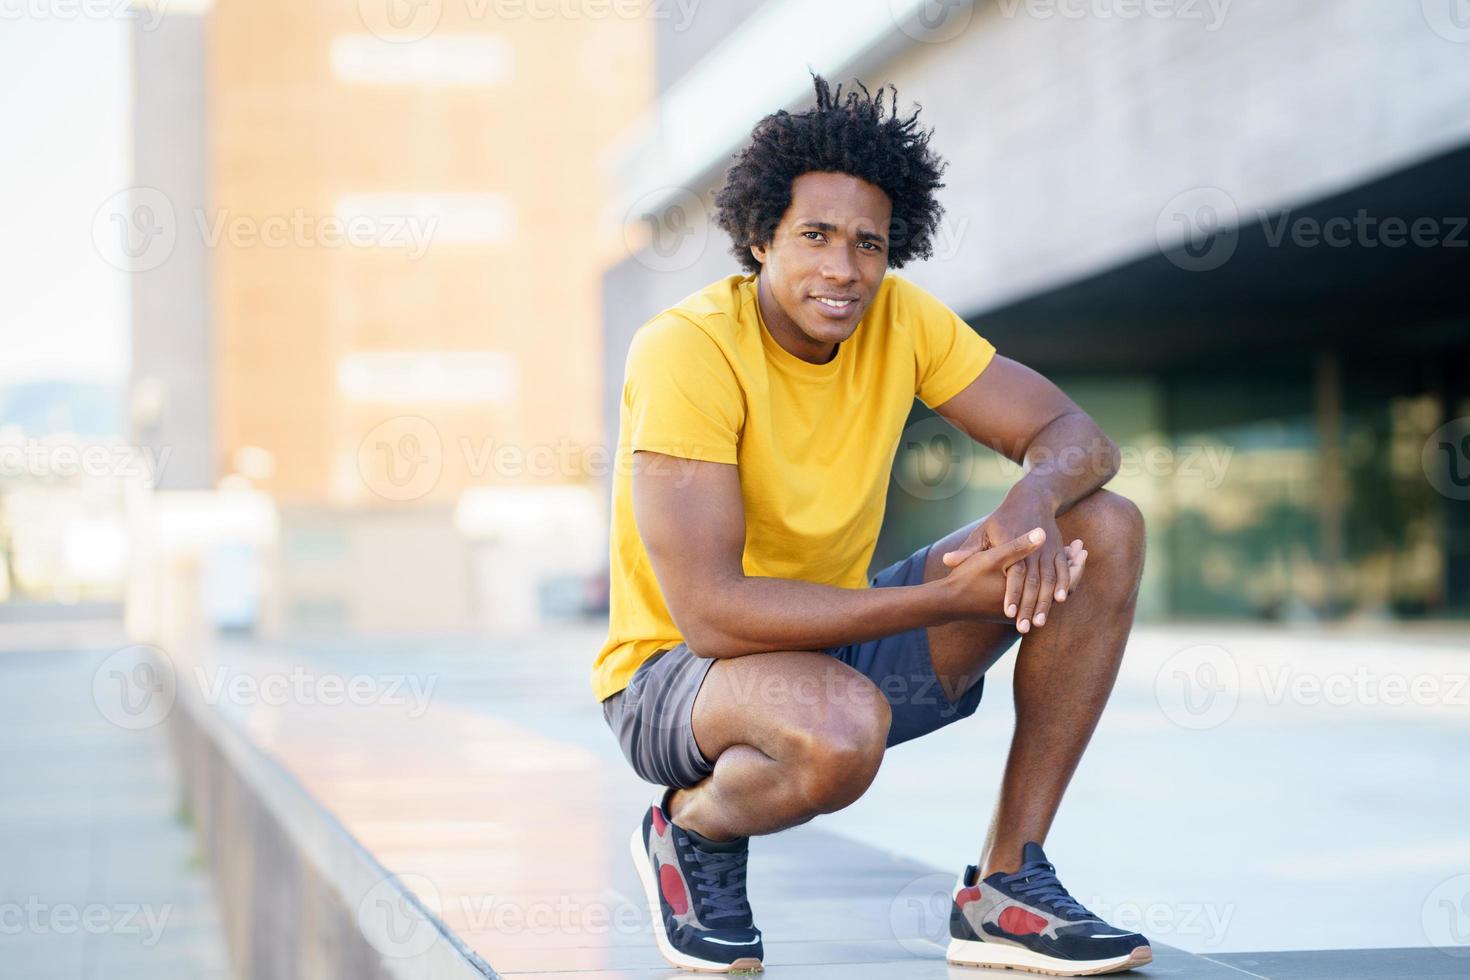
column 976, row 587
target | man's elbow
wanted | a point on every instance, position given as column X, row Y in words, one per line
column 1109, row 457
column 705, row 639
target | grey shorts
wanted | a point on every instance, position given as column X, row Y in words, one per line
column 653, row 716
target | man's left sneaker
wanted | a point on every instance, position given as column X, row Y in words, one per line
column 1027, row 921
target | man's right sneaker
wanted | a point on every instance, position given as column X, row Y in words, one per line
column 696, row 895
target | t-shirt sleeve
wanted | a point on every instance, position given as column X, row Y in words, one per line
column 681, row 394
column 948, row 354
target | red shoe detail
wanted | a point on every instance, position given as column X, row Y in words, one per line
column 672, row 887
column 967, row 895
column 659, row 823
column 1018, row 922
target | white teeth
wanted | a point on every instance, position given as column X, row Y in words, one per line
column 835, row 304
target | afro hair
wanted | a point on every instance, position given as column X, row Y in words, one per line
column 856, row 135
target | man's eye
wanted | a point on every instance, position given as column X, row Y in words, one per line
column 873, row 246
column 812, row 236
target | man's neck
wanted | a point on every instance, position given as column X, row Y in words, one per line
column 785, row 331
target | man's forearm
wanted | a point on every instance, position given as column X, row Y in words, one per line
column 1068, row 460
column 756, row 615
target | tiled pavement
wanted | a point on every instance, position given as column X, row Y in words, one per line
column 494, row 793
column 98, row 879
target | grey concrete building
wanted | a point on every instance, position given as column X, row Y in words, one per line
column 172, row 382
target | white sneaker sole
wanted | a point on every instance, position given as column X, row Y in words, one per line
column 968, row 952
column 747, row 964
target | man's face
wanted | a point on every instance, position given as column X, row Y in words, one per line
column 826, row 260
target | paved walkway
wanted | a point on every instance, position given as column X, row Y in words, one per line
column 97, row 871
column 481, row 774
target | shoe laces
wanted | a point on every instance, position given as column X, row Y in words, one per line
column 720, row 881
column 1037, row 882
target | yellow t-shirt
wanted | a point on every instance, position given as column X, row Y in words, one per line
column 814, row 442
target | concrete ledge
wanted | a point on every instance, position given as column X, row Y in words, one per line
column 298, row 896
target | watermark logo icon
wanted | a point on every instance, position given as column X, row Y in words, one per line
column 1198, row 230
column 135, row 687
column 135, row 229
column 392, row 923
column 401, row 459
column 1446, row 916
column 1450, row 19
column 1198, row 687
column 1446, row 459
column 400, row 21
column 667, row 230
column 919, row 914
column 936, row 460
column 932, row 21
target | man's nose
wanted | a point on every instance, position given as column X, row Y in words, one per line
column 839, row 266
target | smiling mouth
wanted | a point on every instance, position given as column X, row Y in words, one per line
column 836, row 304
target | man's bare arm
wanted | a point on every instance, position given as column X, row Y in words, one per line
column 692, row 520
column 1020, row 414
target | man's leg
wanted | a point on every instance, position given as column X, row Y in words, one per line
column 793, row 734
column 1064, row 671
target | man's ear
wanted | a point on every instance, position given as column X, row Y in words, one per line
column 759, row 251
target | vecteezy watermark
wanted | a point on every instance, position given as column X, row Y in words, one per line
column 1199, row 924
column 937, row 21
column 148, row 15
column 299, row 686
column 919, row 915
column 1362, row 686
column 135, row 229
column 1364, row 230
column 1446, row 916
column 936, row 461
column 138, row 228
column 554, row 915
column 831, row 689
column 932, row 21
column 402, row 459
column 679, row 13
column 406, row 21
column 301, row 229
column 1450, row 19
column 1211, row 13
column 1198, row 230
column 135, row 687
column 36, row 917
column 1198, row 687
column 395, row 924
column 51, row 458
column 1446, row 459
column 667, row 229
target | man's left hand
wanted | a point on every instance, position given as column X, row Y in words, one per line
column 1034, row 583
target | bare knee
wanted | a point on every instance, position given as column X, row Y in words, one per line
column 1112, row 530
column 835, row 762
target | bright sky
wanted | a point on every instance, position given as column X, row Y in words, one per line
column 65, row 125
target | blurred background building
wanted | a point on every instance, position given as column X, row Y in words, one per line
column 343, row 348
column 364, row 293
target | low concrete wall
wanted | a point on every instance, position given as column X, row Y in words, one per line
column 298, row 896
